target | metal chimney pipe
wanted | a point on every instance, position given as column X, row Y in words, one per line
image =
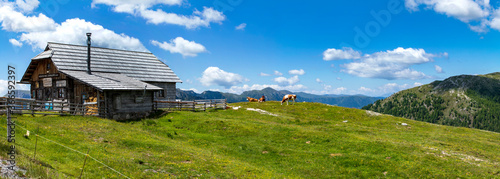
column 88, row 53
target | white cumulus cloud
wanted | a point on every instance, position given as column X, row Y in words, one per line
column 386, row 89
column 297, row 72
column 264, row 74
column 144, row 9
column 282, row 81
column 182, row 46
column 217, row 76
column 391, row 64
column 241, row 26
column 438, row 69
column 73, row 31
column 277, row 73
column 495, row 22
column 241, row 89
column 39, row 29
column 4, row 87
column 130, row 6
column 14, row 21
column 328, row 89
column 15, row 42
column 345, row 53
column 27, row 5
column 464, row 10
column 476, row 13
column 318, row 80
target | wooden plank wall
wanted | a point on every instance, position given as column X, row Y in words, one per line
column 121, row 104
column 169, row 88
column 36, row 82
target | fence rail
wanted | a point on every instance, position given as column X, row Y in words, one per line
column 31, row 106
column 196, row 105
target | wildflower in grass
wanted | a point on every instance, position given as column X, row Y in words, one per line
column 27, row 134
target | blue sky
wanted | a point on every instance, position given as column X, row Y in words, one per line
column 374, row 48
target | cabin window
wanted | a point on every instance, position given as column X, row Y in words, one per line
column 47, row 94
column 61, row 93
column 161, row 93
column 48, row 66
column 39, row 94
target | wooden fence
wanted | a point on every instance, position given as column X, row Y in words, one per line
column 31, row 106
column 196, row 105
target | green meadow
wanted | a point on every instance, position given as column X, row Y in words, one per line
column 305, row 140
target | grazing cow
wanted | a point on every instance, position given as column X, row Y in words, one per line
column 252, row 99
column 289, row 97
column 262, row 99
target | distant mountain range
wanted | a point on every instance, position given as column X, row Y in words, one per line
column 21, row 94
column 353, row 101
column 465, row 100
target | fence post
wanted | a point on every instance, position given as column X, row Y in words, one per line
column 62, row 108
column 194, row 104
column 83, row 110
column 32, row 108
column 84, row 161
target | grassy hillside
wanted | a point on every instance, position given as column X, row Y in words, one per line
column 465, row 100
column 306, row 140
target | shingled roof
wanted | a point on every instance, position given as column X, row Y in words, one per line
column 142, row 66
column 109, row 81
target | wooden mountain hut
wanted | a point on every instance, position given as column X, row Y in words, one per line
column 122, row 84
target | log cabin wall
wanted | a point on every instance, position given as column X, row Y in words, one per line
column 129, row 104
column 84, row 93
column 169, row 91
column 48, row 84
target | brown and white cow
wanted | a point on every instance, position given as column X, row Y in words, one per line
column 252, row 99
column 289, row 97
column 262, row 99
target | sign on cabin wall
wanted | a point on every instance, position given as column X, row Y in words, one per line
column 49, row 75
column 47, row 82
column 61, row 83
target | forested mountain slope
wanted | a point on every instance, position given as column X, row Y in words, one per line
column 465, row 100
